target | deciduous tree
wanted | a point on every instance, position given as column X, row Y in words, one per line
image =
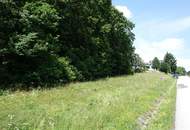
column 156, row 63
column 171, row 61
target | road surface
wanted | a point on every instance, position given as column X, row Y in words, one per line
column 182, row 121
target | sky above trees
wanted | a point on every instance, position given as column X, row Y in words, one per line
column 161, row 26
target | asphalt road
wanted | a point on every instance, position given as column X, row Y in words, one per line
column 182, row 121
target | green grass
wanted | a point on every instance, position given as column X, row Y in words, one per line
column 108, row 104
column 165, row 118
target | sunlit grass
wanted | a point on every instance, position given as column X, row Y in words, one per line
column 108, row 104
column 165, row 119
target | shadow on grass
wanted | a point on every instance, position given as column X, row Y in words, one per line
column 7, row 88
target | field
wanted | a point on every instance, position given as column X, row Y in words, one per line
column 142, row 101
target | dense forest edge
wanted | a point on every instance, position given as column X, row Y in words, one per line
column 59, row 41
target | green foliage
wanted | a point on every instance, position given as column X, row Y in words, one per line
column 57, row 70
column 69, row 70
column 27, row 45
column 42, row 19
column 52, row 70
column 171, row 61
column 156, row 63
column 36, row 36
column 138, row 64
column 39, row 15
column 181, row 70
column 165, row 67
column 9, row 22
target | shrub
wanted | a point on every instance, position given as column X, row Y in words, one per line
column 181, row 70
column 56, row 70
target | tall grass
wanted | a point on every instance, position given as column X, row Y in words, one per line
column 109, row 104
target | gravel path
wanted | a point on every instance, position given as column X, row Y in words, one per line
column 183, row 104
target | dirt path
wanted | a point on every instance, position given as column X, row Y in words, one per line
column 183, row 104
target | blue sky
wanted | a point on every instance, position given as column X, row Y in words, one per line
column 161, row 26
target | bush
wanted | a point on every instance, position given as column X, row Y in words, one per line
column 57, row 70
column 181, row 70
column 71, row 73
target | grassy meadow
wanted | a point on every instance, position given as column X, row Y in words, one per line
column 107, row 104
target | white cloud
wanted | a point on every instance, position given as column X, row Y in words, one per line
column 178, row 25
column 170, row 44
column 126, row 12
column 166, row 28
column 150, row 49
column 175, row 26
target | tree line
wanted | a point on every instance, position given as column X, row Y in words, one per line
column 168, row 65
column 59, row 41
